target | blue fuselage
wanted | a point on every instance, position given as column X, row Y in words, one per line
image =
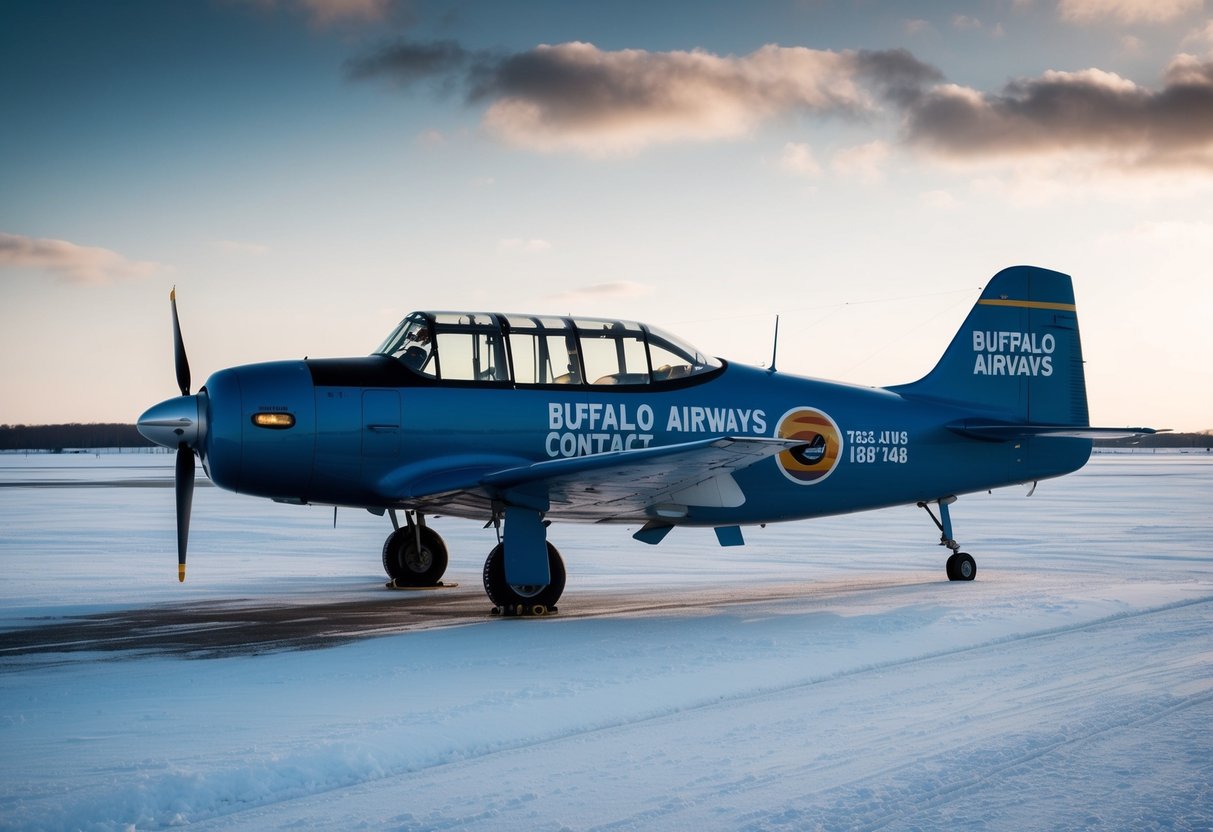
column 366, row 431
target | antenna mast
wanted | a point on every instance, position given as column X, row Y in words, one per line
column 775, row 346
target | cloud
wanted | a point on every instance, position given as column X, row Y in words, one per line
column 964, row 21
column 1126, row 11
column 1201, row 38
column 71, row 262
column 1132, row 45
column 916, row 26
column 407, row 62
column 864, row 162
column 577, row 97
column 895, row 74
column 798, row 158
column 1089, row 112
column 602, row 291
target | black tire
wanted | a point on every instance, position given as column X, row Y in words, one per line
column 509, row 596
column 407, row 565
column 961, row 567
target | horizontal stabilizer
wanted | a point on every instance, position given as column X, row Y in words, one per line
column 1001, row 432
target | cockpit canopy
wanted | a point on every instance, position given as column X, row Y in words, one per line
column 493, row 348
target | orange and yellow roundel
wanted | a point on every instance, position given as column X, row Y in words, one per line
column 813, row 461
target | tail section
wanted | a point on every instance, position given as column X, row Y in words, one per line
column 1017, row 358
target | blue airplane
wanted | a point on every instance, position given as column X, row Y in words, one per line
column 518, row 420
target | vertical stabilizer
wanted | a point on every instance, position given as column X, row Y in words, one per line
column 1017, row 357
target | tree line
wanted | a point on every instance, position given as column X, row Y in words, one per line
column 75, row 435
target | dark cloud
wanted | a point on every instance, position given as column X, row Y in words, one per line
column 896, row 74
column 576, row 96
column 1091, row 111
column 407, row 62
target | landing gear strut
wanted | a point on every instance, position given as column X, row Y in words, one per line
column 960, row 565
column 414, row 555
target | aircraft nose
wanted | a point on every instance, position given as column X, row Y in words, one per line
column 174, row 422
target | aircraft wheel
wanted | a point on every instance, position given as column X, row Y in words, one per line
column 961, row 567
column 512, row 595
column 409, row 566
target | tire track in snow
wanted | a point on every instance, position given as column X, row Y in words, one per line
column 214, row 629
column 535, row 747
column 847, row 815
column 958, row 789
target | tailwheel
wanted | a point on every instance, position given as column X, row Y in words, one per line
column 414, row 556
column 961, row 567
column 524, row 599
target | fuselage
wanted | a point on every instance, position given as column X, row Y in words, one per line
column 363, row 428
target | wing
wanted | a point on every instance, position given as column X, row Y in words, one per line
column 628, row 482
column 613, row 485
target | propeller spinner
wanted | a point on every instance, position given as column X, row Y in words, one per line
column 178, row 423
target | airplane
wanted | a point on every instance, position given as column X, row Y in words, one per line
column 519, row 420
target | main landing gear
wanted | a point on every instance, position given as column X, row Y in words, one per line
column 415, row 556
column 523, row 599
column 960, row 565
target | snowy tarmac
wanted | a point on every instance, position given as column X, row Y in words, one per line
column 826, row 676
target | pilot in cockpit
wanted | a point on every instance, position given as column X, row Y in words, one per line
column 418, row 352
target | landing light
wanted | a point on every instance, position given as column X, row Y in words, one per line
column 280, row 421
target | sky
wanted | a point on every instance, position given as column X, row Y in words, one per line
column 306, row 172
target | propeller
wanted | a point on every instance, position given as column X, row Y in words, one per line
column 185, row 454
column 185, row 499
column 177, row 423
column 183, row 363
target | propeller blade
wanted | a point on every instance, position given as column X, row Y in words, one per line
column 185, row 499
column 183, row 363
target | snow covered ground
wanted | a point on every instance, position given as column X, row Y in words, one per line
column 826, row 676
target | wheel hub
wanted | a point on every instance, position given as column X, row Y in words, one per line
column 418, row 560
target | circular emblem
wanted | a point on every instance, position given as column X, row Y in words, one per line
column 813, row 461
